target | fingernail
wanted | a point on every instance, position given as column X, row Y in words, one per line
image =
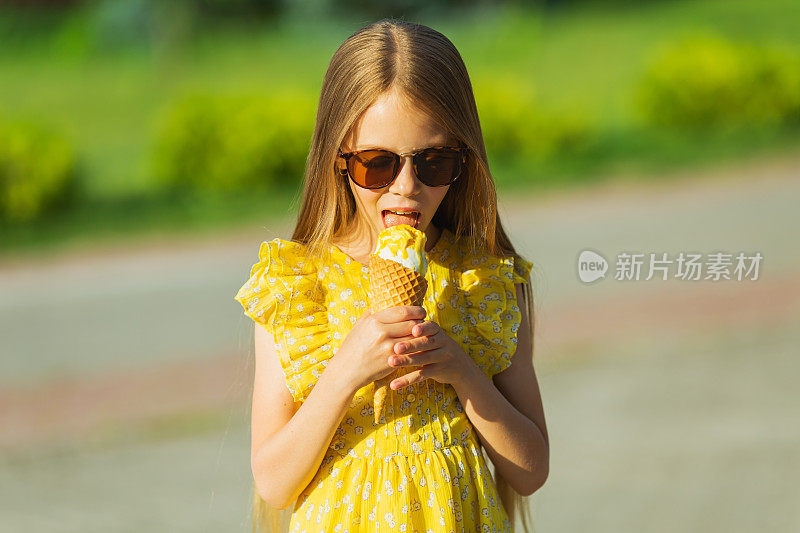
column 401, row 347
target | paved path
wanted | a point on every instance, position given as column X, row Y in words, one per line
column 670, row 404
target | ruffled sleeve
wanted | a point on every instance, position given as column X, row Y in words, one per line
column 491, row 309
column 283, row 296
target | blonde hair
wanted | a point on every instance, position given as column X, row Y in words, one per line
column 427, row 70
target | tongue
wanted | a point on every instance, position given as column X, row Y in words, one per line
column 392, row 219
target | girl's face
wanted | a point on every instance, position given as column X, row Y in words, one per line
column 394, row 124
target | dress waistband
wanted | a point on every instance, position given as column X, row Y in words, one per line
column 406, row 445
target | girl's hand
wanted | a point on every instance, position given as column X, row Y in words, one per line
column 364, row 354
column 441, row 357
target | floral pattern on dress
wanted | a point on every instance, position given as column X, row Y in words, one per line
column 421, row 468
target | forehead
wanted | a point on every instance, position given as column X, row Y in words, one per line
column 394, row 123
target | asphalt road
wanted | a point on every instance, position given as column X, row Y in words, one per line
column 685, row 424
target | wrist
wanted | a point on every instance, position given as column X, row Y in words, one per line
column 340, row 376
column 470, row 375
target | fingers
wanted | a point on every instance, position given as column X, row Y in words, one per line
column 401, row 329
column 408, row 379
column 400, row 313
column 426, row 328
column 429, row 357
column 417, row 345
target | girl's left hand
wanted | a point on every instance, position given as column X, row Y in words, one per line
column 439, row 356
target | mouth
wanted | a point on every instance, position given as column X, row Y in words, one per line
column 391, row 217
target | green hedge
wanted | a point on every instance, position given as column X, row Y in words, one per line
column 38, row 172
column 515, row 126
column 233, row 144
column 229, row 144
column 707, row 82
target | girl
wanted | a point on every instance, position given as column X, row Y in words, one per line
column 397, row 141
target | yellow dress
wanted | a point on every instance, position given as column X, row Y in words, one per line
column 421, row 469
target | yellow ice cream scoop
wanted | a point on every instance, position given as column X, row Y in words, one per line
column 403, row 244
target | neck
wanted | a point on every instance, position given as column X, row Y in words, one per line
column 432, row 235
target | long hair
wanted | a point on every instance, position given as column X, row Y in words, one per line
column 427, row 70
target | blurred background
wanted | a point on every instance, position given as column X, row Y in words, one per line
column 147, row 148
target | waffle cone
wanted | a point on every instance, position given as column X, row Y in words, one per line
column 392, row 284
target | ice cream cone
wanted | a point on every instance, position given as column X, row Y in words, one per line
column 392, row 284
column 396, row 277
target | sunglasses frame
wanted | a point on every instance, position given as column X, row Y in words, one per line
column 345, row 171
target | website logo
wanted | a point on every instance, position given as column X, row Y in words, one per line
column 591, row 266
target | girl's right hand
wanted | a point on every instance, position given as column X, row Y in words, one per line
column 364, row 354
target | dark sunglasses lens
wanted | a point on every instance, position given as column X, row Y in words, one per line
column 439, row 167
column 373, row 169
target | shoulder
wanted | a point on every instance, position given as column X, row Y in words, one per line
column 283, row 294
column 284, row 270
column 477, row 264
column 280, row 256
column 281, row 261
column 487, row 312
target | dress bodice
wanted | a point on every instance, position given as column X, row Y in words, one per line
column 310, row 305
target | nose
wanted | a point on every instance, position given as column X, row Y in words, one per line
column 406, row 182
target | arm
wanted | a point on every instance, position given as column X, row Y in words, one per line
column 508, row 415
column 288, row 444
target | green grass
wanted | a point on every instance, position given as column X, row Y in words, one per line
column 110, row 220
column 635, row 155
column 584, row 57
column 590, row 54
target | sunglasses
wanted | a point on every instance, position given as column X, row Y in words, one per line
column 376, row 168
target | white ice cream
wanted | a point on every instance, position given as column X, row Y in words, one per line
column 405, row 245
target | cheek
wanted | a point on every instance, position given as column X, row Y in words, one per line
column 437, row 197
column 367, row 200
column 364, row 197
